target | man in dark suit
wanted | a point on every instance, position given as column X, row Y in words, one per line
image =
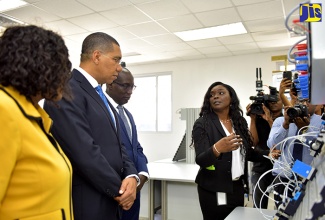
column 104, row 178
column 120, row 92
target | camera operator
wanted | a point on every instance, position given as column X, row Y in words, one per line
column 260, row 126
column 287, row 84
column 288, row 126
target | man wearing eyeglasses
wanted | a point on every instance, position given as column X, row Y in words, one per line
column 104, row 178
column 286, row 127
column 119, row 92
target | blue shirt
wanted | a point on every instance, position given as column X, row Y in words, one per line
column 278, row 134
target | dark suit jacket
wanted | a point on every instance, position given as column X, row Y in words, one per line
column 134, row 149
column 205, row 134
column 87, row 134
column 135, row 153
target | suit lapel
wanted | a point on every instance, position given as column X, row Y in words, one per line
column 132, row 124
column 86, row 86
column 215, row 120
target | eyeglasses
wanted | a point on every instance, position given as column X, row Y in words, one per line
column 126, row 86
column 117, row 60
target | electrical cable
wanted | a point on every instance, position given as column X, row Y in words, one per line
column 293, row 46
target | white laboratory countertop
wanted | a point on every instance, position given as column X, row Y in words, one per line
column 172, row 171
column 250, row 213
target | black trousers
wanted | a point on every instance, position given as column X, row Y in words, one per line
column 258, row 194
column 209, row 202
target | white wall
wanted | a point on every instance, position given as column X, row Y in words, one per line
column 190, row 80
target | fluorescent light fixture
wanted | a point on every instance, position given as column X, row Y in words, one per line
column 212, row 32
column 130, row 54
column 6, row 5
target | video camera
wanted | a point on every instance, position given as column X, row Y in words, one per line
column 298, row 110
column 261, row 98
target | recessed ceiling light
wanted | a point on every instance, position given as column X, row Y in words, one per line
column 212, row 32
column 6, row 5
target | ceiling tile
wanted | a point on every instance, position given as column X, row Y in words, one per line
column 79, row 38
column 92, row 22
column 181, row 23
column 290, row 5
column 204, row 43
column 240, row 52
column 64, row 8
column 119, row 33
column 221, row 54
column 175, row 46
column 218, row 17
column 283, row 48
column 194, row 57
column 279, row 43
column 132, row 24
column 164, row 9
column 265, row 24
column 210, row 50
column 270, row 35
column 141, row 1
column 162, row 39
column 242, row 38
column 32, row 15
column 187, row 53
column 206, row 5
column 260, row 11
column 104, row 5
column 64, row 27
column 247, row 2
column 163, row 57
column 146, row 29
column 32, row 1
column 133, row 16
column 151, row 49
column 136, row 44
column 244, row 46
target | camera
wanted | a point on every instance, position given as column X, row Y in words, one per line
column 260, row 99
column 298, row 110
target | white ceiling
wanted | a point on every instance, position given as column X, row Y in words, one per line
column 145, row 28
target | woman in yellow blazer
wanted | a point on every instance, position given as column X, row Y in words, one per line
column 35, row 175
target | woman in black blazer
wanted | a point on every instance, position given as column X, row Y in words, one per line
column 223, row 145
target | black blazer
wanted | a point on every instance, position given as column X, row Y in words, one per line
column 86, row 133
column 205, row 133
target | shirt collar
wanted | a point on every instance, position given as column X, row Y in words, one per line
column 93, row 82
column 111, row 101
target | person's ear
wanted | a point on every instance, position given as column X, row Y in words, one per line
column 96, row 56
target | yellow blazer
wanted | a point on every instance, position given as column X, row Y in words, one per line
column 35, row 175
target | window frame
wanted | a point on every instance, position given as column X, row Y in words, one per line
column 157, row 75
